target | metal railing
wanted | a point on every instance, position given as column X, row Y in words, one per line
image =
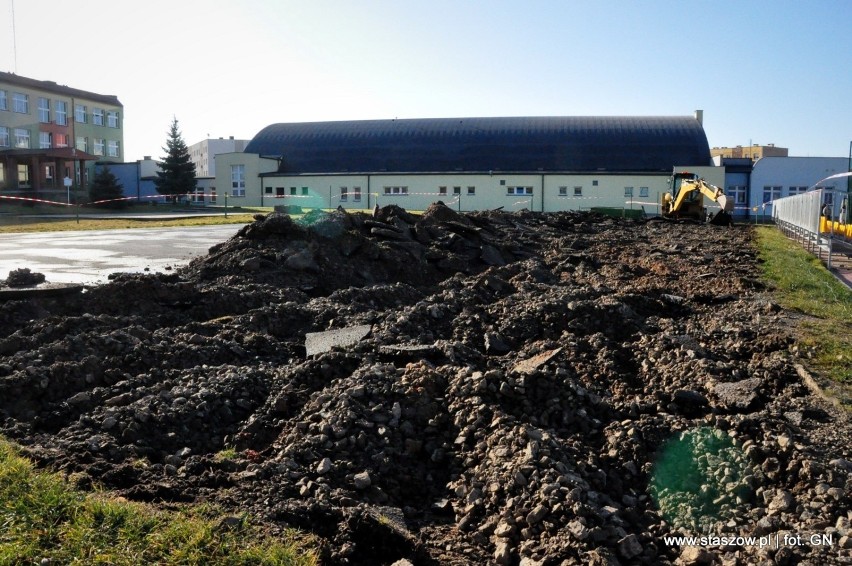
column 801, row 218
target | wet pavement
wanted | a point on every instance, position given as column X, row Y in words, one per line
column 90, row 256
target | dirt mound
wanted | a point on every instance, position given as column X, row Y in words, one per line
column 24, row 278
column 527, row 388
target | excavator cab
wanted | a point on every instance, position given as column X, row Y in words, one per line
column 685, row 200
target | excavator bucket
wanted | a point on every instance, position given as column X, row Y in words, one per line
column 723, row 217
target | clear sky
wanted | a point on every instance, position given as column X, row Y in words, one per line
column 763, row 71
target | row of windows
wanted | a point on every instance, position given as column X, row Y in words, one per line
column 238, row 185
column 110, row 148
column 20, row 138
column 771, row 193
column 510, row 191
column 24, row 173
column 21, row 105
column 356, row 194
column 643, row 192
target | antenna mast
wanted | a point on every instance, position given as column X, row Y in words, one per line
column 14, row 40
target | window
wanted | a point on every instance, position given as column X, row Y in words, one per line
column 643, row 192
column 4, row 136
column 356, row 194
column 23, row 175
column 238, row 180
column 456, row 190
column 770, row 194
column 44, row 110
column 563, row 191
column 98, row 116
column 48, row 171
column 578, row 191
column 80, row 113
column 112, row 119
column 628, row 192
column 21, row 103
column 397, row 190
column 738, row 194
column 471, row 191
column 292, row 191
column 519, row 190
column 82, row 143
column 502, row 182
column 267, row 190
column 4, row 100
column 22, row 138
column 305, row 191
column 594, row 183
column 279, row 191
column 44, row 140
column 442, row 190
column 60, row 140
column 98, row 146
column 61, row 112
column 344, row 194
column 113, row 149
column 798, row 190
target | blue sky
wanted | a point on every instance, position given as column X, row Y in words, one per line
column 763, row 71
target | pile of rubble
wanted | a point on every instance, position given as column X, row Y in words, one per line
column 561, row 388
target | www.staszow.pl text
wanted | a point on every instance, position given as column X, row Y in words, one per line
column 775, row 540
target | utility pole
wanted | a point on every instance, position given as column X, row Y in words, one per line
column 14, row 39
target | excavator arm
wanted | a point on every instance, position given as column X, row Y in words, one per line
column 687, row 200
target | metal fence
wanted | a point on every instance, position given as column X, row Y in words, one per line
column 801, row 218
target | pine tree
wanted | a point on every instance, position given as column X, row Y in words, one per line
column 177, row 172
column 105, row 186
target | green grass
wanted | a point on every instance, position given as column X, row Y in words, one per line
column 804, row 285
column 43, row 517
column 16, row 218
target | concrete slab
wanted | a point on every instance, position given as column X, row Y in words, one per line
column 40, row 290
column 319, row 342
column 531, row 364
column 90, row 256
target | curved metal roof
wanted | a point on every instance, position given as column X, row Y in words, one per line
column 574, row 143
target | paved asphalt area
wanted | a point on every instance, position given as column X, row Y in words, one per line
column 89, row 257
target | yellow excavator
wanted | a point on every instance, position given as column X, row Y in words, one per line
column 686, row 200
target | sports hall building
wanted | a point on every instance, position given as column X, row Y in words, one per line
column 538, row 163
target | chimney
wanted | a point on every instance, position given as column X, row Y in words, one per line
column 699, row 115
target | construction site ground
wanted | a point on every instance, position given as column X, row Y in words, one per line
column 478, row 388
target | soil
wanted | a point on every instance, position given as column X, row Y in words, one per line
column 505, row 388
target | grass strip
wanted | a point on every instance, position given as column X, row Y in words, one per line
column 802, row 284
column 45, row 520
column 65, row 225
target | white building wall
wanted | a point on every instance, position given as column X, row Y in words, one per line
column 465, row 192
column 537, row 192
column 148, row 167
column 777, row 177
column 203, row 153
column 253, row 166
